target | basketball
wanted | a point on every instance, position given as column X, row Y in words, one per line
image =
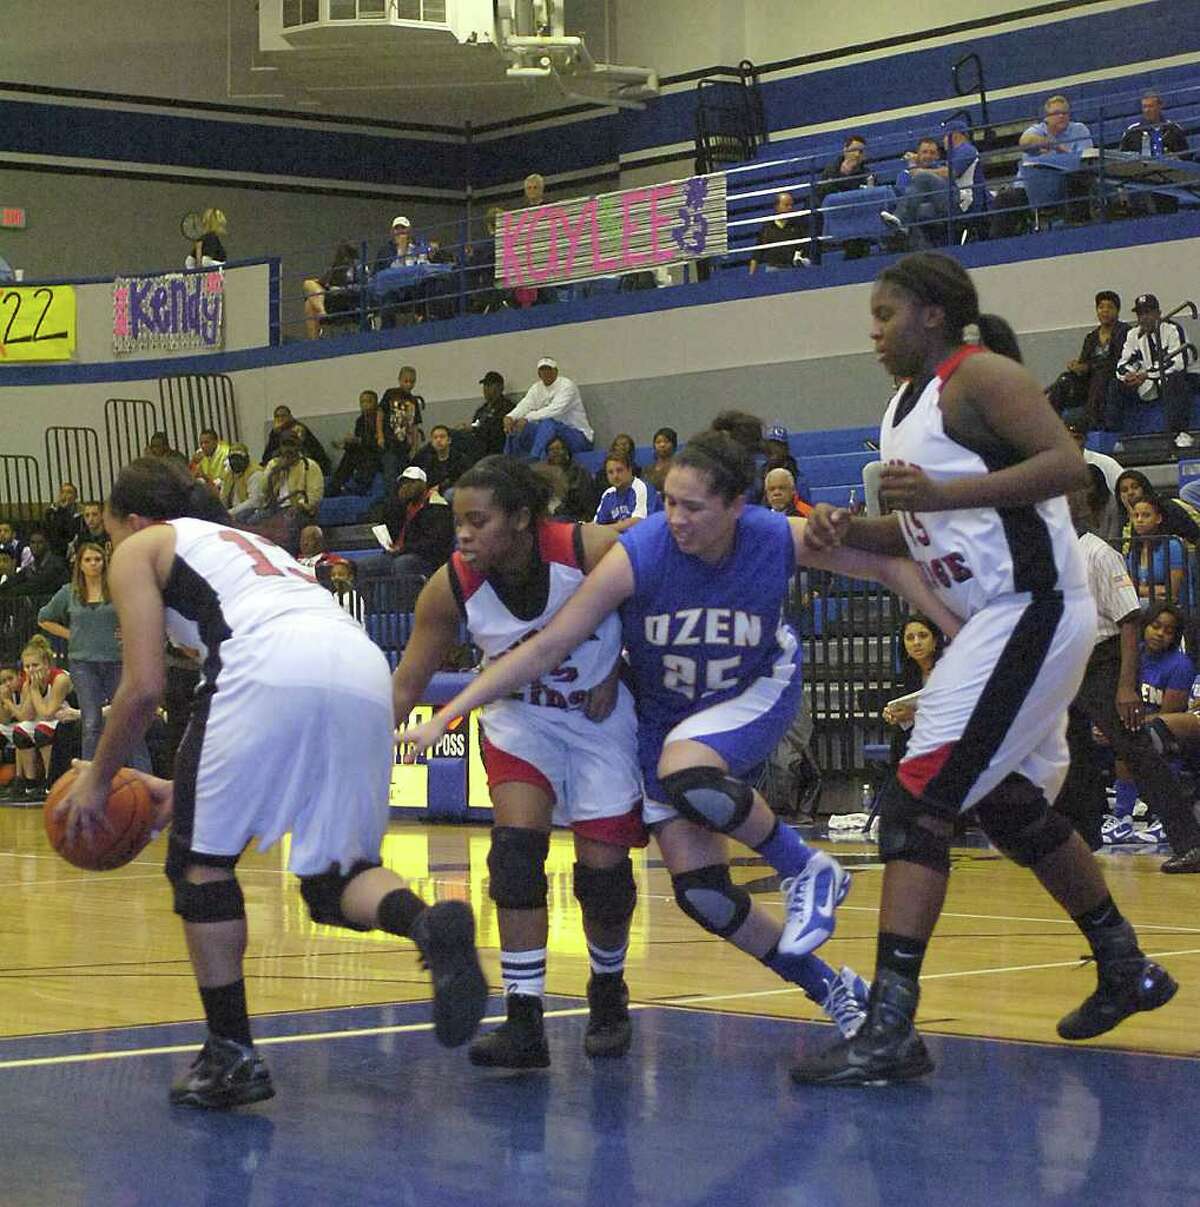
column 130, row 814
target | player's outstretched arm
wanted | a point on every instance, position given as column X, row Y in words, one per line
column 434, row 634
column 602, row 592
column 900, row 574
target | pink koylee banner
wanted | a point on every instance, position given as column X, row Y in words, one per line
column 615, row 233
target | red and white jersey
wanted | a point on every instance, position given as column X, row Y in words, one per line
column 497, row 624
column 974, row 555
column 226, row 583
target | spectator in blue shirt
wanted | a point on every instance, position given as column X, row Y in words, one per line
column 928, row 194
column 1167, row 673
column 627, row 499
column 1156, row 560
column 1056, row 133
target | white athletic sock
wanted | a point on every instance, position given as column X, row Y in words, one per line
column 604, row 961
column 524, row 971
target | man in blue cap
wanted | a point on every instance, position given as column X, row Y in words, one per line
column 927, row 198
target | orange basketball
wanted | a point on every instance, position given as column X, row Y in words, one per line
column 7, row 771
column 130, row 814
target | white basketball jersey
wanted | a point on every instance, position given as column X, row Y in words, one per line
column 974, row 555
column 496, row 629
column 226, row 583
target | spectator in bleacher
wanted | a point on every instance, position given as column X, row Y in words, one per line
column 362, row 456
column 209, row 460
column 1157, row 561
column 45, row 571
column 333, row 294
column 208, row 251
column 1151, row 369
column 91, row 529
column 579, row 497
column 921, row 645
column 239, row 484
column 1056, row 133
column 624, row 446
column 1076, row 423
column 480, row 255
column 281, row 419
column 81, row 614
column 12, row 544
column 1182, row 519
column 552, row 406
column 8, row 568
column 291, row 482
column 928, row 154
column 777, row 247
column 927, row 193
column 342, row 573
column 61, row 519
column 30, row 715
column 779, row 493
column 778, row 452
column 397, row 306
column 160, row 446
column 666, row 441
column 534, row 189
column 1153, row 136
column 1165, row 137
column 849, row 171
column 440, row 460
column 627, row 500
column 484, row 434
column 402, row 411
column 1087, row 378
column 421, row 526
column 311, row 551
column 311, row 447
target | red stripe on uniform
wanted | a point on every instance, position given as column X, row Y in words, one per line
column 915, row 773
column 556, row 542
column 468, row 581
column 626, row 830
column 505, row 768
column 956, row 358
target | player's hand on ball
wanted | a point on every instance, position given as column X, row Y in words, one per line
column 416, row 740
column 909, row 488
column 83, row 805
column 162, row 794
column 826, row 527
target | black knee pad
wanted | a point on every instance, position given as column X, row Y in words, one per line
column 517, row 867
column 210, row 901
column 1021, row 824
column 709, row 797
column 709, row 897
column 903, row 837
column 323, row 895
column 606, row 895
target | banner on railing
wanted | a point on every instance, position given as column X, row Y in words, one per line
column 615, row 233
column 37, row 322
column 173, row 311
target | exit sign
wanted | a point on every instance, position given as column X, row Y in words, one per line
column 12, row 217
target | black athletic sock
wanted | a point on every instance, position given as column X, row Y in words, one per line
column 398, row 910
column 225, row 1010
column 1110, row 936
column 900, row 954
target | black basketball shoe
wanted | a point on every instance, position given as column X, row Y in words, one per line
column 886, row 1048
column 445, row 935
column 519, row 1042
column 224, row 1073
column 1124, row 988
column 609, row 1031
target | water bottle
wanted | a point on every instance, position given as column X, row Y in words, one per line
column 868, row 797
column 1156, row 142
column 1146, row 144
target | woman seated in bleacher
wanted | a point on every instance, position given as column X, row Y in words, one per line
column 333, row 294
column 921, row 645
column 29, row 719
column 666, row 441
column 579, row 494
column 1180, row 518
column 1157, row 560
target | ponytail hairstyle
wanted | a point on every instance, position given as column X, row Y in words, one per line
column 721, row 459
column 995, row 334
column 937, row 280
column 513, row 484
column 160, row 489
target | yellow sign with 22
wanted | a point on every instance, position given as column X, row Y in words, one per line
column 37, row 322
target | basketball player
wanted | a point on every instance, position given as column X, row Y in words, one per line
column 976, row 464
column 716, row 674
column 291, row 731
column 563, row 749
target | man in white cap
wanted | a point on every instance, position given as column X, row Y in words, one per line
column 551, row 407
column 421, row 527
column 397, row 253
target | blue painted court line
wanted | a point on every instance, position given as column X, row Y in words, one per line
column 700, row 1112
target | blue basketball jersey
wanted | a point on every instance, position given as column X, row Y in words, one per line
column 697, row 634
